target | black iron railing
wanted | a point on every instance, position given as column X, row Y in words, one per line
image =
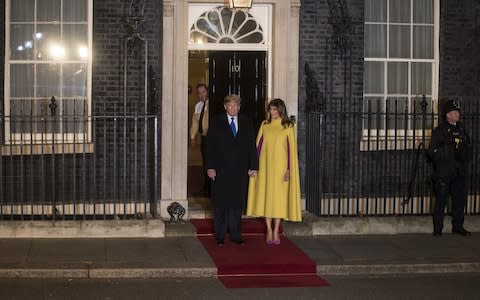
column 363, row 160
column 78, row 167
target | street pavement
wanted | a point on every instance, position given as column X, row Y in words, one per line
column 409, row 266
column 426, row 286
column 184, row 256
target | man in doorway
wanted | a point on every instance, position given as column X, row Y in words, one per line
column 231, row 158
column 200, row 122
column 449, row 151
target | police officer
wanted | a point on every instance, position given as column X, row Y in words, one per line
column 449, row 151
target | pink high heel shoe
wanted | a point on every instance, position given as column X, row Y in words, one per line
column 269, row 242
column 275, row 241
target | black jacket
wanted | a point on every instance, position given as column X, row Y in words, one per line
column 449, row 150
column 231, row 157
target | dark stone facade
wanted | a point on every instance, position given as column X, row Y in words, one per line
column 109, row 35
column 121, row 166
column 335, row 83
column 126, row 145
column 331, row 43
column 459, row 49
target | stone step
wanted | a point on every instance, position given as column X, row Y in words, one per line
column 148, row 228
column 200, row 214
column 142, row 272
column 179, row 229
column 199, row 208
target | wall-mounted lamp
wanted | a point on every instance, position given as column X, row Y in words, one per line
column 240, row 4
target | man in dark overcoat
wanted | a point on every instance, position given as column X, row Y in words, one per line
column 231, row 157
column 450, row 150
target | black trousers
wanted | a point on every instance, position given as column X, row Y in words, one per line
column 456, row 187
column 228, row 219
column 206, row 182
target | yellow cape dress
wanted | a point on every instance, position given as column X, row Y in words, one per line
column 269, row 195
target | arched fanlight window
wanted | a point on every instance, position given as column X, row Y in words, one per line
column 222, row 25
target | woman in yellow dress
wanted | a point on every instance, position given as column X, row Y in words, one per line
column 275, row 192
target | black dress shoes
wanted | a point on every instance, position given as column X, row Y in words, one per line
column 220, row 243
column 239, row 242
column 462, row 231
column 437, row 233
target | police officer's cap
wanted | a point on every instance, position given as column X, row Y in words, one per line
column 450, row 105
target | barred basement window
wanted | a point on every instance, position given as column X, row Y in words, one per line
column 47, row 71
column 222, row 25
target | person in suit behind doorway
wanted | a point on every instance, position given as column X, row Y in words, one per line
column 200, row 122
column 231, row 158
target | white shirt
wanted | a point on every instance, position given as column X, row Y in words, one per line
column 199, row 106
column 235, row 120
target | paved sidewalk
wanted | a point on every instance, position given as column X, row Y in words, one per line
column 392, row 254
column 104, row 258
column 184, row 256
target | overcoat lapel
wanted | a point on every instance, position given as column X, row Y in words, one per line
column 239, row 126
column 226, row 126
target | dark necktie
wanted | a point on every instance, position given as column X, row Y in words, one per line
column 233, row 127
column 200, row 123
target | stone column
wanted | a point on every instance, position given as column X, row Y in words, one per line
column 293, row 42
column 174, row 105
column 285, row 25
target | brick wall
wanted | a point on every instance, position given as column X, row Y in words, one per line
column 110, row 33
column 120, row 169
column 459, row 49
column 460, row 69
column 459, row 78
column 338, row 74
column 109, row 83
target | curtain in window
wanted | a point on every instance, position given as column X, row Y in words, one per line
column 47, row 57
column 399, row 52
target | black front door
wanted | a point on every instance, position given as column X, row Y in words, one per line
column 242, row 73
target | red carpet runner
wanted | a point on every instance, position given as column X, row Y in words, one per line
column 255, row 264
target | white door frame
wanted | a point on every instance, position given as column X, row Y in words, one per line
column 284, row 84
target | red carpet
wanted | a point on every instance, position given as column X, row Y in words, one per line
column 256, row 264
column 249, row 226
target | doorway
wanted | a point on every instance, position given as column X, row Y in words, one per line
column 225, row 72
column 280, row 21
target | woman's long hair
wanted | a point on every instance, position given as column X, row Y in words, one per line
column 282, row 111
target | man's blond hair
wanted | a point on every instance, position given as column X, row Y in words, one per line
column 231, row 98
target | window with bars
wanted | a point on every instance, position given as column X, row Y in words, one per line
column 47, row 70
column 401, row 65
